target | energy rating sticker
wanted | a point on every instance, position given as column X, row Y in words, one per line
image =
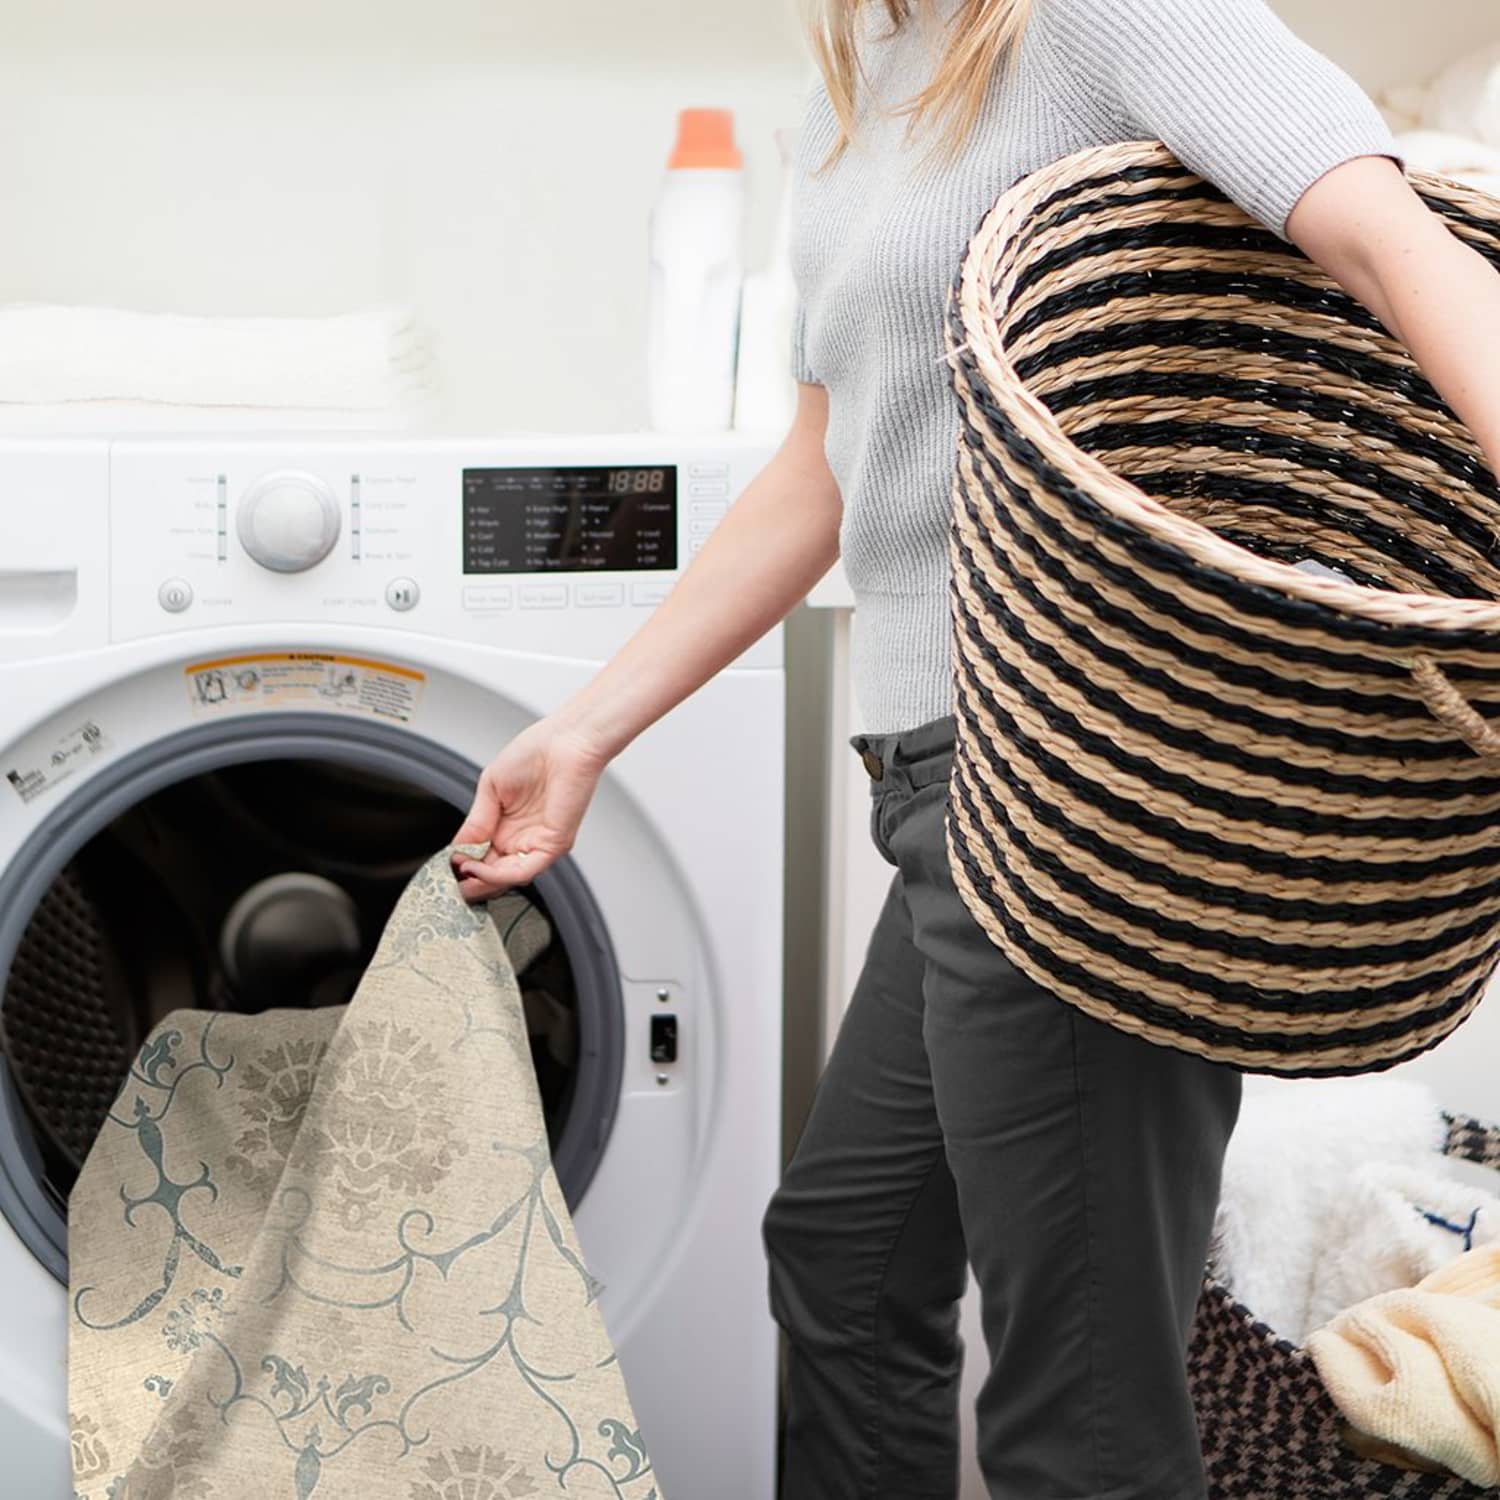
column 303, row 680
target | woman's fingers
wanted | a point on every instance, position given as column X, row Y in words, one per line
column 484, row 814
column 475, row 891
column 497, row 871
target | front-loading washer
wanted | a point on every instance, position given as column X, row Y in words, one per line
column 260, row 676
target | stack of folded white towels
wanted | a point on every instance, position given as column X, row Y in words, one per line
column 100, row 368
column 1343, row 1226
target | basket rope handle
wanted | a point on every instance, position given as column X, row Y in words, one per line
column 1449, row 707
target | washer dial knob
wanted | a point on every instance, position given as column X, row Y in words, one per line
column 288, row 521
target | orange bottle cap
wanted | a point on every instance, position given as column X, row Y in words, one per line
column 705, row 138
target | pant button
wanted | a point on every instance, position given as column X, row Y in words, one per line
column 872, row 763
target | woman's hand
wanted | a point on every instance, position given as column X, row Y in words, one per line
column 528, row 805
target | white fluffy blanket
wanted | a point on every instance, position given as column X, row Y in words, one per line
column 1335, row 1190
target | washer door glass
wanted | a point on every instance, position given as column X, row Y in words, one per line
column 238, row 868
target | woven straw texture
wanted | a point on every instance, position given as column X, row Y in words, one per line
column 1204, row 795
column 1270, row 1429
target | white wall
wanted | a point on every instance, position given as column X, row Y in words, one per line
column 1391, row 41
column 487, row 160
column 491, row 163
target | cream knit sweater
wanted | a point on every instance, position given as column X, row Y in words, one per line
column 877, row 240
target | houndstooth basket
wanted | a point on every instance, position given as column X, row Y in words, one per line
column 1196, row 792
column 1269, row 1428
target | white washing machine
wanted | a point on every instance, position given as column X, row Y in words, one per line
column 223, row 662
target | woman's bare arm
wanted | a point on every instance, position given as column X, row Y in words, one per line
column 774, row 543
column 1367, row 228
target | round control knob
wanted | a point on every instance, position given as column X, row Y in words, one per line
column 288, row 521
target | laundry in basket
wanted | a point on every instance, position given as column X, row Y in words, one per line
column 1272, row 1429
column 323, row 1254
column 1335, row 1189
column 1418, row 1368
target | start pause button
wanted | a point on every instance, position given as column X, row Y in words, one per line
column 402, row 594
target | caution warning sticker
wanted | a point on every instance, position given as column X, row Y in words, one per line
column 302, row 680
column 39, row 770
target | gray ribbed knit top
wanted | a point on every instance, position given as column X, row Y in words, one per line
column 877, row 239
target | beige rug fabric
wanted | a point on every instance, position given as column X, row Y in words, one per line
column 323, row 1255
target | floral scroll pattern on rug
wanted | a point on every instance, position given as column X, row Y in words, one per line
column 323, row 1255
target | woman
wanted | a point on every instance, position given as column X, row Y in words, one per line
column 966, row 1117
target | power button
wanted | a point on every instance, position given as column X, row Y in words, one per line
column 175, row 595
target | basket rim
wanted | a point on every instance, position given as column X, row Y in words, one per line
column 1037, row 423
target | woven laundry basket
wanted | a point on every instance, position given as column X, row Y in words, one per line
column 1205, row 796
column 1269, row 1428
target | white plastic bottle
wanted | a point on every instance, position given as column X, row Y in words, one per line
column 765, row 394
column 697, row 267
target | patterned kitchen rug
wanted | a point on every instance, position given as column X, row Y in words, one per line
column 323, row 1255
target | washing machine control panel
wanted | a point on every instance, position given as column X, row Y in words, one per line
column 539, row 543
column 583, row 518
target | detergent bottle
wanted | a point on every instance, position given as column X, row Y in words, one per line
column 697, row 267
column 765, row 394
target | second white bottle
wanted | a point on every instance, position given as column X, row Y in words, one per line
column 697, row 269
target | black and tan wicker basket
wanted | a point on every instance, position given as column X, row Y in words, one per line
column 1198, row 792
column 1269, row 1428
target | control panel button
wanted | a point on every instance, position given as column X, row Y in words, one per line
column 663, row 1038
column 175, row 595
column 488, row 596
column 708, row 471
column 596, row 594
column 649, row 593
column 402, row 594
column 709, row 487
column 288, row 521
column 544, row 595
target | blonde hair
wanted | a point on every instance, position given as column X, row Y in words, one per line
column 983, row 34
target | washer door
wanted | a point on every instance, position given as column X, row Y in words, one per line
column 238, row 865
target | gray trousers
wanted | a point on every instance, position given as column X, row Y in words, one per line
column 967, row 1118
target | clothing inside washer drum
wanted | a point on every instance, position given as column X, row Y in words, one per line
column 329, row 1250
column 114, row 943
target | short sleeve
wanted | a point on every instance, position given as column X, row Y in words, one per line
column 1237, row 96
column 801, row 370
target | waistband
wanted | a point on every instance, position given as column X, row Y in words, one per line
column 903, row 748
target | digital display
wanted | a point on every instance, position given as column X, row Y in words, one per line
column 591, row 519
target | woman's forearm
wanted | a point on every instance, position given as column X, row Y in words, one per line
column 1441, row 298
column 774, row 543
column 1446, row 310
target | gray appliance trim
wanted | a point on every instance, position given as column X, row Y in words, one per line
column 33, row 1212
